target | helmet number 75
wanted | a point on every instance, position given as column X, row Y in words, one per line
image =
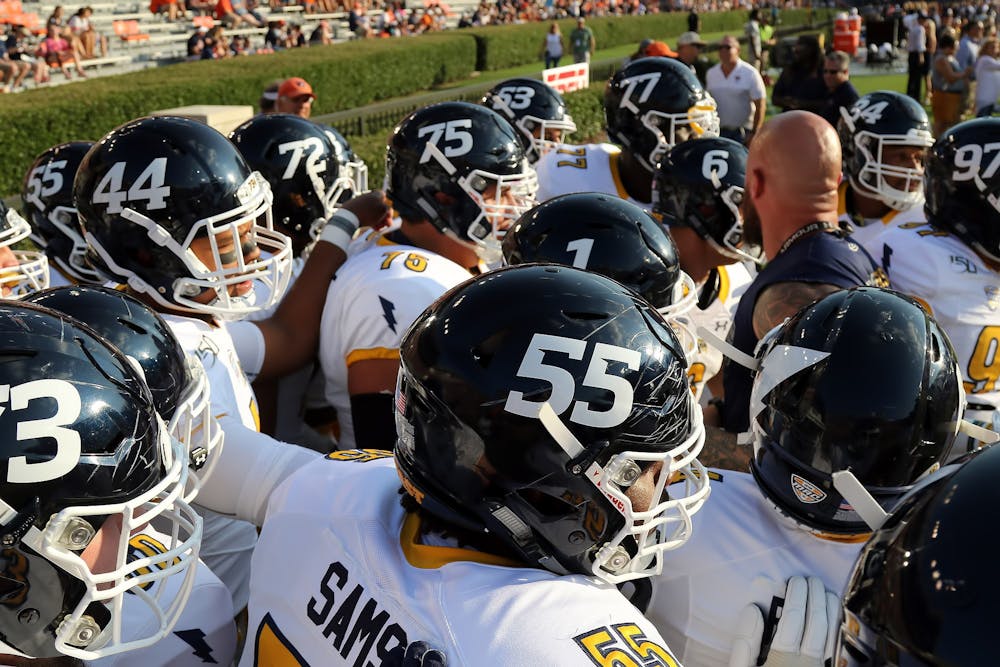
column 970, row 158
column 564, row 384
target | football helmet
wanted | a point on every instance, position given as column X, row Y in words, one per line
column 607, row 235
column 963, row 186
column 47, row 197
column 301, row 165
column 533, row 428
column 922, row 592
column 462, row 167
column 156, row 191
column 877, row 121
column 176, row 381
column 699, row 184
column 862, row 380
column 21, row 271
column 652, row 104
column 533, row 108
column 85, row 456
column 353, row 177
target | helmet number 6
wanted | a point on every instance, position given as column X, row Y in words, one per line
column 564, row 384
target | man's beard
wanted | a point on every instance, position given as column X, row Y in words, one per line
column 752, row 234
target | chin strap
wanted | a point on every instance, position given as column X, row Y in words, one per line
column 854, row 492
column 977, row 432
column 728, row 350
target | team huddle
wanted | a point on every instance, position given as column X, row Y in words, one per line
column 665, row 400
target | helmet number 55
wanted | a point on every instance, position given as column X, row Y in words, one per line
column 564, row 385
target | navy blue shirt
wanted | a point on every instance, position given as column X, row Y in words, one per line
column 818, row 258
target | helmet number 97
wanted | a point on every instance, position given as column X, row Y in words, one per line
column 147, row 186
column 457, row 138
column 45, row 182
column 564, row 384
column 516, row 97
column 67, row 441
column 970, row 158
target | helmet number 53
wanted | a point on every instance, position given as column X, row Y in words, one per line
column 564, row 384
column 67, row 441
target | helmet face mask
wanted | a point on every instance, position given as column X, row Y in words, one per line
column 544, row 431
column 205, row 198
column 32, row 270
column 671, row 129
column 895, row 186
column 193, row 424
column 74, row 516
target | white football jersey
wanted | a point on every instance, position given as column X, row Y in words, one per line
column 959, row 290
column 341, row 578
column 740, row 552
column 867, row 230
column 377, row 294
column 734, row 279
column 227, row 543
column 205, row 631
column 588, row 168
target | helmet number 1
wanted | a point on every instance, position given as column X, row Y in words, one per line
column 564, row 384
column 581, row 251
column 67, row 441
column 148, row 186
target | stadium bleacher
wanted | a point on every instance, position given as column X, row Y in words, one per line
column 138, row 39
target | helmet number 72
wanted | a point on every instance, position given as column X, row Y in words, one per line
column 564, row 384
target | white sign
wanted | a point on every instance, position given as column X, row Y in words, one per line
column 568, row 78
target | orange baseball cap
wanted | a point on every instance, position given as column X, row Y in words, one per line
column 295, row 87
column 660, row 49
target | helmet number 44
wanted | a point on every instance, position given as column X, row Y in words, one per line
column 67, row 441
column 564, row 384
column 148, row 186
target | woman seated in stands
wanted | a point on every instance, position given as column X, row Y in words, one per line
column 55, row 51
column 234, row 12
column 216, row 45
column 84, row 38
column 174, row 9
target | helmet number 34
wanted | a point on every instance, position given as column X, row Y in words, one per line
column 67, row 441
column 564, row 384
column 148, row 186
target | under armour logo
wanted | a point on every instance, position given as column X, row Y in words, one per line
column 196, row 639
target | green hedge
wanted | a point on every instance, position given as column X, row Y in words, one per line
column 345, row 76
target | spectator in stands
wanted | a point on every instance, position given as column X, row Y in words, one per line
column 968, row 53
column 269, row 96
column 800, row 85
column 917, row 53
column 658, row 49
column 175, row 10
column 948, row 82
column 321, row 34
column 240, row 45
column 14, row 70
column 84, row 34
column 582, row 42
column 689, row 48
column 295, row 37
column 739, row 92
column 216, row 45
column 201, row 7
column 234, row 12
column 56, row 52
column 196, row 43
column 20, row 48
column 552, row 46
column 987, row 78
column 57, row 19
column 752, row 32
column 295, row 96
column 275, row 37
column 840, row 91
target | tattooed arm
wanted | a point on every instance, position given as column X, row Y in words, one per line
column 721, row 451
column 782, row 300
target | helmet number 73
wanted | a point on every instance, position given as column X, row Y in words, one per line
column 67, row 441
column 564, row 384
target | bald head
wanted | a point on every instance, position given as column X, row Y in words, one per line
column 801, row 152
column 793, row 171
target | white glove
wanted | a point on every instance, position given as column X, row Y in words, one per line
column 805, row 633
